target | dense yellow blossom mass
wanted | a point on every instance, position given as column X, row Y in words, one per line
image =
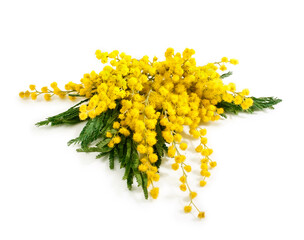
column 175, row 92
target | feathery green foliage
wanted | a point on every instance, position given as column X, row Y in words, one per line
column 126, row 150
column 160, row 147
column 95, row 127
column 226, row 75
column 71, row 116
column 258, row 104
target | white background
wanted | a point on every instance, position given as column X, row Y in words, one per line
column 48, row 191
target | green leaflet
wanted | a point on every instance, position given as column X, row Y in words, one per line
column 258, row 104
column 91, row 149
column 103, row 142
column 160, row 141
column 100, row 155
column 135, row 159
column 125, row 151
column 130, row 180
column 145, row 184
column 110, row 117
column 90, row 132
column 121, row 147
column 264, row 102
column 127, row 159
column 68, row 117
column 225, row 75
column 111, row 159
column 160, row 147
column 95, row 128
column 115, row 152
column 138, row 177
column 105, row 149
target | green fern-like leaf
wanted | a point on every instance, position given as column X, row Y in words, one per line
column 258, row 105
column 68, row 117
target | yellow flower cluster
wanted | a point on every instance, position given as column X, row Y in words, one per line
column 174, row 92
column 47, row 92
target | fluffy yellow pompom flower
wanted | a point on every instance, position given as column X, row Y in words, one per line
column 98, row 54
column 213, row 164
column 247, row 103
column 83, row 108
column 155, row 177
column 193, row 195
column 21, row 94
column 116, row 139
column 175, row 166
column 114, row 54
column 204, row 140
column 47, row 97
column 187, row 168
column 183, row 187
column 204, row 166
column 224, row 59
column 238, row 100
column 34, row 95
column 223, row 68
column 205, row 173
column 116, row 125
column 141, row 148
column 154, row 192
column 183, row 146
column 44, row 89
column 183, row 179
column 199, row 148
column 201, row 215
column 92, row 114
column 171, row 151
column 104, row 57
column 108, row 135
column 203, row 183
column 153, row 158
column 142, row 168
column 54, row 85
column 207, row 152
column 124, row 131
column 178, row 159
column 27, row 94
column 187, row 209
column 195, row 134
column 83, row 116
column 111, row 144
column 137, row 137
column 177, row 137
column 234, row 61
column 245, row 92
